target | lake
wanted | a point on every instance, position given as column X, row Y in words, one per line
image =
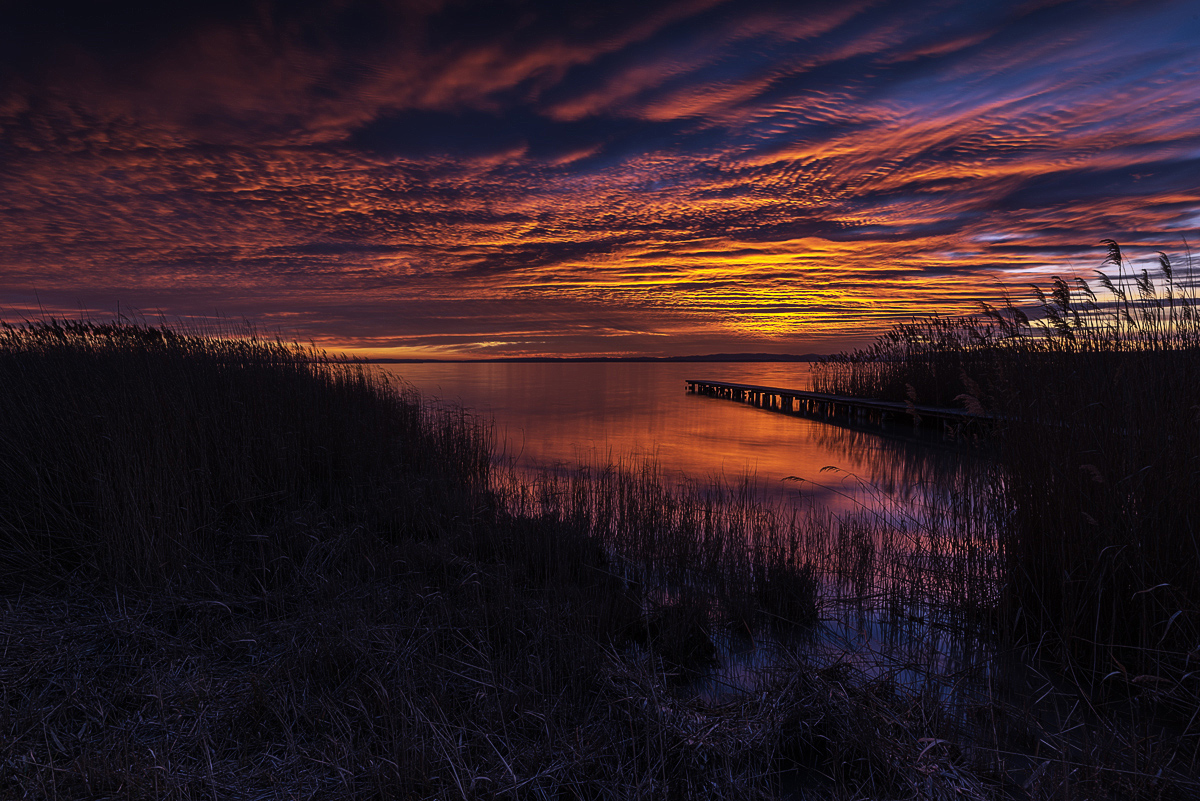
column 563, row 414
column 559, row 414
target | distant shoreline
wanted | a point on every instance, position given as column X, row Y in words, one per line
column 712, row 357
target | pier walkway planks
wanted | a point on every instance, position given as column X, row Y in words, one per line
column 833, row 407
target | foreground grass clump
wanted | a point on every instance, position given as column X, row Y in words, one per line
column 151, row 457
column 1098, row 442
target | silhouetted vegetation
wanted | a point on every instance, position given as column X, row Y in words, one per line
column 150, row 458
column 1099, row 492
column 234, row 567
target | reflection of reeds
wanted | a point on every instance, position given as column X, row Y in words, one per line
column 906, row 466
column 236, row 568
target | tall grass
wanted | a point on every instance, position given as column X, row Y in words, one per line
column 152, row 457
column 235, row 567
column 1097, row 389
column 747, row 562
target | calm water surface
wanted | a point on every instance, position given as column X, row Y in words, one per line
column 563, row 414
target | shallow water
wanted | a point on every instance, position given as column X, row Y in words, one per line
column 922, row 645
column 564, row 414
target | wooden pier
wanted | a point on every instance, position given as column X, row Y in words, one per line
column 838, row 408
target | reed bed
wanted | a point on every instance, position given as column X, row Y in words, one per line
column 235, row 567
column 1095, row 392
column 155, row 458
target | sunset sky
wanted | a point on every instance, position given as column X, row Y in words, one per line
column 475, row 179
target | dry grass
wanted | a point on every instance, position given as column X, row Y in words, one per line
column 1098, row 446
column 234, row 568
column 393, row 692
column 1098, row 491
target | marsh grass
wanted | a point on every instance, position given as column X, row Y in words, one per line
column 1097, row 496
column 234, row 567
column 152, row 458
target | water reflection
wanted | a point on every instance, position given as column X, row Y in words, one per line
column 556, row 414
column 906, row 587
column 903, row 465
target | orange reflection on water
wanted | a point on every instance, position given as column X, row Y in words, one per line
column 565, row 414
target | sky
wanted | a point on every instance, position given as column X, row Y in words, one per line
column 492, row 179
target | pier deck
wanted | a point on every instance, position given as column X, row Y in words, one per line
column 839, row 408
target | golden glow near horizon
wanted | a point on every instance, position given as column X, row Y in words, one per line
column 686, row 177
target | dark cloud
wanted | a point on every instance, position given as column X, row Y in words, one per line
column 1147, row 180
